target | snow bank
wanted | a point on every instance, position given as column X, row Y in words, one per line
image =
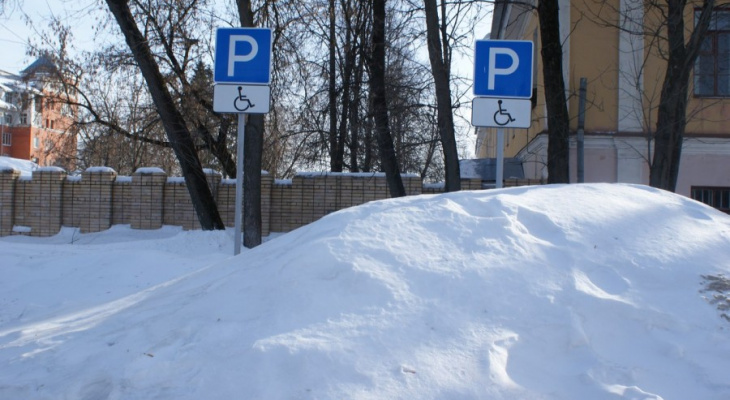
column 552, row 292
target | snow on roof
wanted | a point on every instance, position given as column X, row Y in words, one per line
column 435, row 185
column 486, row 168
column 7, row 78
column 7, row 106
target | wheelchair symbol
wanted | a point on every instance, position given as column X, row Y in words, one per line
column 499, row 114
column 241, row 102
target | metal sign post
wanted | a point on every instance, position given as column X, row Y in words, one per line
column 239, row 184
column 242, row 73
column 499, row 178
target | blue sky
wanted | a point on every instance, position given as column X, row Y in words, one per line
column 16, row 32
column 13, row 36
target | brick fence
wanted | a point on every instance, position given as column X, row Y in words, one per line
column 40, row 205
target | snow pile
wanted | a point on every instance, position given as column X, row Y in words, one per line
column 25, row 167
column 555, row 292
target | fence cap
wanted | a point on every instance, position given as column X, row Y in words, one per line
column 98, row 170
column 150, row 170
column 51, row 169
column 353, row 174
column 10, row 172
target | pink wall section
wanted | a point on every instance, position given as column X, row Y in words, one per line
column 703, row 170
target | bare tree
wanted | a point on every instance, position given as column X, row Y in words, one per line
column 672, row 113
column 659, row 28
column 386, row 149
column 171, row 118
column 253, row 149
column 557, row 111
column 336, row 156
column 299, row 132
column 439, row 53
column 551, row 44
column 120, row 129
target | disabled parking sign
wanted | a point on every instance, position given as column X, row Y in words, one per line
column 503, row 72
column 503, row 68
column 242, row 70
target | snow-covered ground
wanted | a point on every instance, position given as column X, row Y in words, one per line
column 555, row 292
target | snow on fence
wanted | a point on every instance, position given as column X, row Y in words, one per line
column 41, row 204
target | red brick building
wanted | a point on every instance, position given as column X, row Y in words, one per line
column 35, row 123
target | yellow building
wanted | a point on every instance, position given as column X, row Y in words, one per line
column 624, row 72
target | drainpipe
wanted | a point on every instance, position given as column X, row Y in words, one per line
column 504, row 15
column 2, row 135
column 581, row 125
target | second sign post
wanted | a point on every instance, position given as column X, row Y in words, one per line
column 503, row 71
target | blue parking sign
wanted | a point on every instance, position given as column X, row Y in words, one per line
column 243, row 55
column 503, row 68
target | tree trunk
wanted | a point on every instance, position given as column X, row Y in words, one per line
column 672, row 113
column 355, row 116
column 440, row 66
column 172, row 120
column 557, row 110
column 349, row 63
column 335, row 157
column 253, row 147
column 367, row 163
column 388, row 159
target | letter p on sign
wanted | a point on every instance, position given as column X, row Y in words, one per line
column 503, row 68
column 493, row 70
column 233, row 57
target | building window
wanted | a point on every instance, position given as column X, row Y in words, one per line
column 7, row 139
column 36, row 142
column 717, row 197
column 8, row 119
column 712, row 68
column 23, row 119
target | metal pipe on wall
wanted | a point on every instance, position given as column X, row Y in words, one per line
column 581, row 125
